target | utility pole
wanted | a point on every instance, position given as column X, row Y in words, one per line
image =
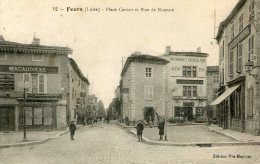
column 24, row 116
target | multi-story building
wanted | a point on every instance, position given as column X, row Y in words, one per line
column 33, row 79
column 78, row 93
column 186, row 84
column 212, row 88
column 143, row 83
column 239, row 91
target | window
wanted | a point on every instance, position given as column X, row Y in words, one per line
column 37, row 57
column 231, row 66
column 190, row 91
column 189, row 71
column 215, row 79
column 232, row 31
column 148, row 72
column 250, row 102
column 239, row 58
column 2, row 56
column 35, row 83
column 251, row 48
column 251, row 11
column 148, row 92
column 6, row 82
column 241, row 23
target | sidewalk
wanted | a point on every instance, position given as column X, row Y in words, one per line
column 240, row 136
column 14, row 139
column 196, row 135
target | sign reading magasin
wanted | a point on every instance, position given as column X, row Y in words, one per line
column 28, row 69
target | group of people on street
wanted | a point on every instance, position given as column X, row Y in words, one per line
column 140, row 128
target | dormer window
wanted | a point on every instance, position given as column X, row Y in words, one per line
column 37, row 57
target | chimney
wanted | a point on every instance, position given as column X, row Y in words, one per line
column 36, row 41
column 137, row 53
column 167, row 50
column 199, row 49
column 2, row 38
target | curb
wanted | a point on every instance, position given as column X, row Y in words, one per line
column 198, row 144
column 35, row 142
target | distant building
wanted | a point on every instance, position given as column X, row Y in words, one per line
column 212, row 83
column 239, row 49
column 212, row 89
column 40, row 72
column 78, row 93
column 186, row 85
column 143, row 84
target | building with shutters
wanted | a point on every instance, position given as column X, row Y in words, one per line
column 239, row 68
column 142, row 87
column 186, row 85
column 41, row 72
column 78, row 93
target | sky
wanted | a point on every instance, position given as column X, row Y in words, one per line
column 101, row 38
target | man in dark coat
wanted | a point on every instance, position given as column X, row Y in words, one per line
column 72, row 128
column 161, row 128
column 139, row 128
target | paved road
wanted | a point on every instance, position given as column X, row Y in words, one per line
column 109, row 144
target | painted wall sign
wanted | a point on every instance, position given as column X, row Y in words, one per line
column 188, row 103
column 31, row 95
column 187, row 59
column 28, row 69
column 6, row 82
column 240, row 37
column 35, row 103
column 181, row 81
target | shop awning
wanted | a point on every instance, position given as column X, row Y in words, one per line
column 225, row 95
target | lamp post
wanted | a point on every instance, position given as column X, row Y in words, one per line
column 24, row 116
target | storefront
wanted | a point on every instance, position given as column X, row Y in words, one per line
column 231, row 106
column 40, row 111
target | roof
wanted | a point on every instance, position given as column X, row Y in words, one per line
column 32, row 48
column 143, row 58
column 224, row 23
column 76, row 68
column 212, row 69
column 195, row 54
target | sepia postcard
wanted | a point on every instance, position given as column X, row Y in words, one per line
column 120, row 81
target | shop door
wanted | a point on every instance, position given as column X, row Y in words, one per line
column 7, row 119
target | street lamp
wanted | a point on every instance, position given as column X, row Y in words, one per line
column 24, row 116
column 249, row 67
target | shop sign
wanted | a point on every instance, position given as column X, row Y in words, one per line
column 35, row 103
column 188, row 103
column 241, row 36
column 28, row 69
column 32, row 95
column 181, row 81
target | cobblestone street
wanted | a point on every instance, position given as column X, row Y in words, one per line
column 187, row 133
column 107, row 143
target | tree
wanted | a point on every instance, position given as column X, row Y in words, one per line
column 101, row 109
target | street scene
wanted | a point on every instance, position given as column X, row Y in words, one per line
column 130, row 82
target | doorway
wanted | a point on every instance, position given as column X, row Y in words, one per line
column 7, row 118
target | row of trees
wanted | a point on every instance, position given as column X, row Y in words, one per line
column 114, row 109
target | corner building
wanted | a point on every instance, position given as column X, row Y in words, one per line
column 35, row 78
column 143, row 83
column 239, row 67
column 186, row 85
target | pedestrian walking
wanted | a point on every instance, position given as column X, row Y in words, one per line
column 72, row 128
column 139, row 128
column 161, row 128
column 150, row 121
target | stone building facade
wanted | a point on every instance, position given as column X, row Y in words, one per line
column 33, row 79
column 239, row 67
column 143, row 86
column 186, row 85
column 78, row 93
